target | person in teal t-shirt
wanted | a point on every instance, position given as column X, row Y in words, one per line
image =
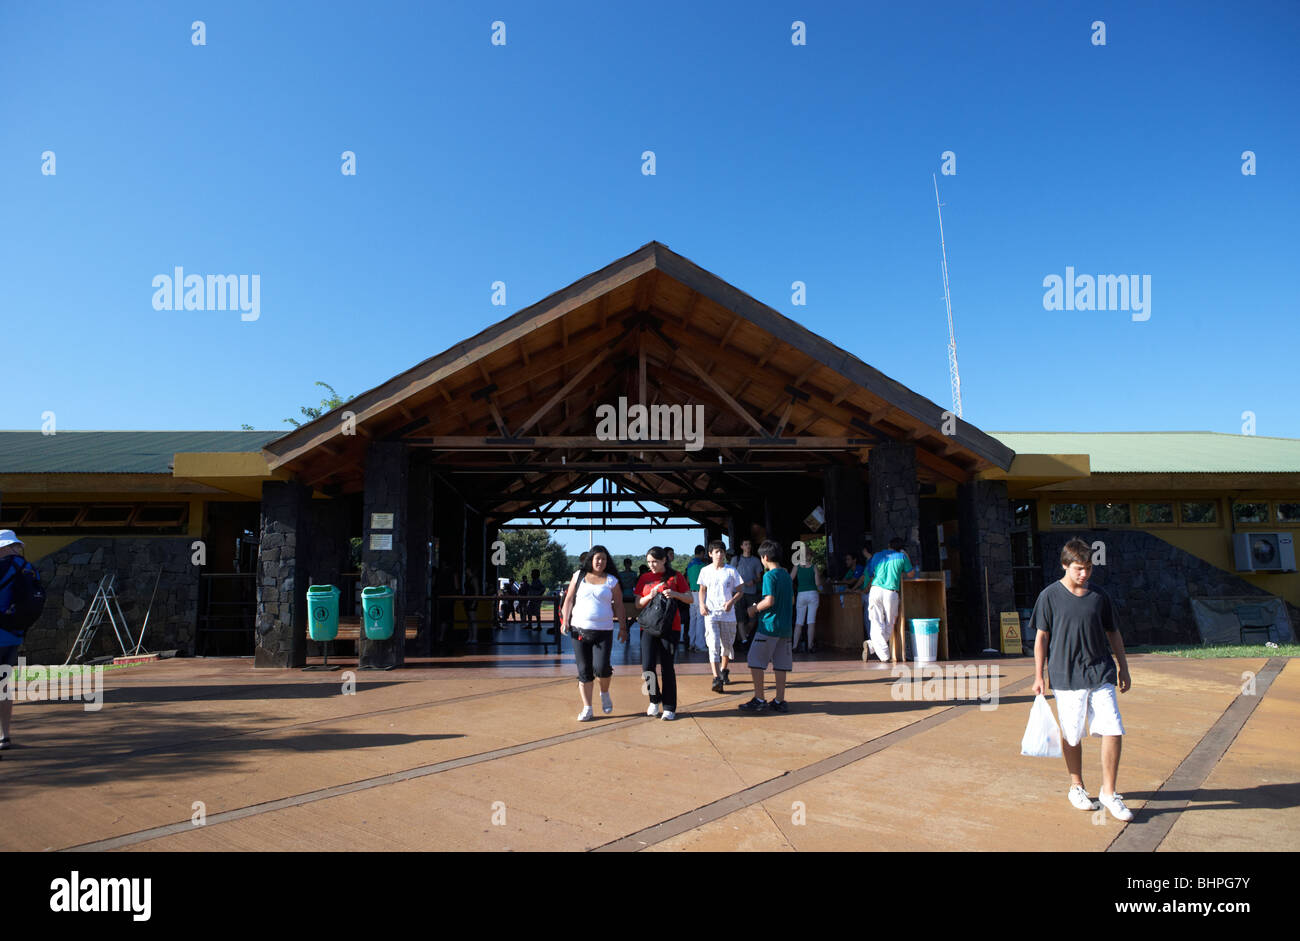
column 771, row 641
column 693, row 569
column 886, row 571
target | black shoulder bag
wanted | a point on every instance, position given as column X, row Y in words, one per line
column 656, row 618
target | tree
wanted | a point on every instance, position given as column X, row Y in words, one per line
column 326, row 405
column 528, row 549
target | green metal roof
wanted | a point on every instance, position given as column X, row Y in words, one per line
column 115, row 452
column 1163, row 452
column 1133, row 452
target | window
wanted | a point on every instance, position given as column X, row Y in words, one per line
column 11, row 517
column 106, row 515
column 1250, row 512
column 1287, row 512
column 1111, row 514
column 153, row 514
column 1154, row 513
column 1069, row 514
column 1200, row 513
column 54, row 515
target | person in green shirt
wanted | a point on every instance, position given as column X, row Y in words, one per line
column 771, row 639
column 807, row 582
column 886, row 571
column 693, row 569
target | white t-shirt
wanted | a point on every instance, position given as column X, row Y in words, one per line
column 593, row 605
column 719, row 585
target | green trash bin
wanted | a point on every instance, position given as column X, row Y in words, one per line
column 322, row 612
column 377, row 612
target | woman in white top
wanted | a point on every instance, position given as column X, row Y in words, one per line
column 592, row 606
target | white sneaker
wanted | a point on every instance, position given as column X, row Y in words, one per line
column 606, row 704
column 653, row 710
column 585, row 715
column 1115, row 804
column 1080, row 799
column 668, row 715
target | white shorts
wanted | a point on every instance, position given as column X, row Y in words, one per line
column 1097, row 705
column 719, row 636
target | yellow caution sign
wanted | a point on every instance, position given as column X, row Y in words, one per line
column 1010, row 632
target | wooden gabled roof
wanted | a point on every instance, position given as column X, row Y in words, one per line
column 657, row 328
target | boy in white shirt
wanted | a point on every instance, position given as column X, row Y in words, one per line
column 721, row 586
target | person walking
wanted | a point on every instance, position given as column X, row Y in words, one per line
column 751, row 571
column 592, row 608
column 807, row 583
column 720, row 588
column 1077, row 635
column 696, row 564
column 658, row 651
column 472, row 587
column 885, row 573
column 627, row 579
column 536, row 589
column 22, row 598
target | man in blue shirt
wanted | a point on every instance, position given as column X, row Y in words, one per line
column 12, row 565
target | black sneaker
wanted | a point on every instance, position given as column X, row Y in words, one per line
column 726, row 675
column 779, row 705
column 717, row 684
column 754, row 705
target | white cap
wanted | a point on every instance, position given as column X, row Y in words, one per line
column 8, row 538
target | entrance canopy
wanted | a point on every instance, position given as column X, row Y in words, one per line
column 547, row 401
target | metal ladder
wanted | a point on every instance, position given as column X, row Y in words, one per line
column 104, row 602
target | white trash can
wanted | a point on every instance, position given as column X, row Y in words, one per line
column 925, row 639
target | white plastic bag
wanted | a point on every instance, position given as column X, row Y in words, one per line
column 1042, row 735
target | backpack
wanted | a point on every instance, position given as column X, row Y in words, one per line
column 26, row 597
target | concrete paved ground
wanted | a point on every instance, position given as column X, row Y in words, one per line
column 485, row 754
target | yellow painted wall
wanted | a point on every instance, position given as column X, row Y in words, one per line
column 36, row 547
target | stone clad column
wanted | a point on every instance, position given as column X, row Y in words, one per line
column 894, row 498
column 984, row 516
column 281, row 624
column 387, row 482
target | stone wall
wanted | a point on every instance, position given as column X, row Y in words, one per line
column 894, row 498
column 984, row 522
column 386, row 488
column 1151, row 583
column 281, row 623
column 72, row 574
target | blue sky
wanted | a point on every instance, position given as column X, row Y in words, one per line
column 775, row 163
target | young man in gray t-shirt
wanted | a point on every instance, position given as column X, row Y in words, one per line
column 750, row 568
column 1076, row 636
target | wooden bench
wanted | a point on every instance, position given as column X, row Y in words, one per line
column 350, row 629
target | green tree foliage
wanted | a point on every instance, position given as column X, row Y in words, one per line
column 817, row 551
column 326, row 405
column 528, row 549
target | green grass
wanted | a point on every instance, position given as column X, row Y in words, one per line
column 53, row 672
column 1223, row 651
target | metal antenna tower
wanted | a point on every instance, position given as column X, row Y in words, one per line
column 953, row 376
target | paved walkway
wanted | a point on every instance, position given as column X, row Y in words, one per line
column 475, row 754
